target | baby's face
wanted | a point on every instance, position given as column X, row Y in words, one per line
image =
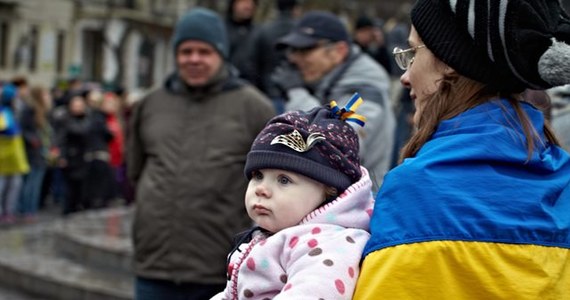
column 277, row 199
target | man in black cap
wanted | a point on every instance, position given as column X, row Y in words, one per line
column 240, row 27
column 370, row 38
column 326, row 66
column 263, row 57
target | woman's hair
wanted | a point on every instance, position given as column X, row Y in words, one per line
column 40, row 107
column 455, row 95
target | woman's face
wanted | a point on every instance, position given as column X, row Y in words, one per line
column 423, row 75
column 110, row 105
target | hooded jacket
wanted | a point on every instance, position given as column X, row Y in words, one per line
column 317, row 259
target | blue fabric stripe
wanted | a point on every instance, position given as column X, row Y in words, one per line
column 12, row 127
column 472, row 182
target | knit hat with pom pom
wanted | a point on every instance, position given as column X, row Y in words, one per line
column 511, row 45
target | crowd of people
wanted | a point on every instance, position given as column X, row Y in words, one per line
column 74, row 134
column 274, row 162
column 63, row 146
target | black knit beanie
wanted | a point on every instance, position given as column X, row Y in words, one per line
column 316, row 144
column 363, row 22
column 511, row 45
column 204, row 25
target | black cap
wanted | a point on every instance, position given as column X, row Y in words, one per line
column 363, row 22
column 285, row 5
column 313, row 27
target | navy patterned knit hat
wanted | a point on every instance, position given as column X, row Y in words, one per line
column 319, row 144
column 511, row 45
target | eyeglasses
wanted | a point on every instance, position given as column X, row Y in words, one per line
column 405, row 57
column 303, row 51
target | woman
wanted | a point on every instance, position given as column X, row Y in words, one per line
column 110, row 108
column 13, row 162
column 480, row 206
column 84, row 156
column 38, row 137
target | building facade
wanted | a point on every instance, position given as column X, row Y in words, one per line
column 113, row 42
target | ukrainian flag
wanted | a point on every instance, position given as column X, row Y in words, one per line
column 472, row 217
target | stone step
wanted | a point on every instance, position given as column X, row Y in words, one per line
column 58, row 278
column 100, row 240
column 31, row 258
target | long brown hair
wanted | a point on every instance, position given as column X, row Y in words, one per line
column 457, row 94
column 38, row 104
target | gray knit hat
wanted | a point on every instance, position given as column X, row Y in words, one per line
column 204, row 25
column 511, row 45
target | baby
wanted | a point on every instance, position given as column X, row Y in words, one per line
column 311, row 201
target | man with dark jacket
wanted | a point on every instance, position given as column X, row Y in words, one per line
column 325, row 66
column 263, row 56
column 187, row 151
column 370, row 38
column 240, row 27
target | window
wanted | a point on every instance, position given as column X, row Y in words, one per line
column 60, row 52
column 92, row 66
column 130, row 4
column 34, row 37
column 146, row 64
column 3, row 44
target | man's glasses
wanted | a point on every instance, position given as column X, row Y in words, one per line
column 405, row 57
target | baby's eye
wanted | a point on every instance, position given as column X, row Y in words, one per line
column 256, row 175
column 283, row 180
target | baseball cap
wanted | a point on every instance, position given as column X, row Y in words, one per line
column 313, row 27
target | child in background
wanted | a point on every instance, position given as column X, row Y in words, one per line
column 312, row 203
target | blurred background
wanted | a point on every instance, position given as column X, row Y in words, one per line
column 125, row 42
column 112, row 52
column 121, row 42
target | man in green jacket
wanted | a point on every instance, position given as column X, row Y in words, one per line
column 187, row 150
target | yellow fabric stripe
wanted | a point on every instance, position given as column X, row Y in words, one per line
column 13, row 159
column 465, row 270
column 356, row 104
column 357, row 117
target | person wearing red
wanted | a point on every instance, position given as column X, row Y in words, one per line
column 110, row 107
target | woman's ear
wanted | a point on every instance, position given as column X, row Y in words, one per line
column 449, row 71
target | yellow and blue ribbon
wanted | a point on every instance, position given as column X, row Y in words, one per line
column 348, row 112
